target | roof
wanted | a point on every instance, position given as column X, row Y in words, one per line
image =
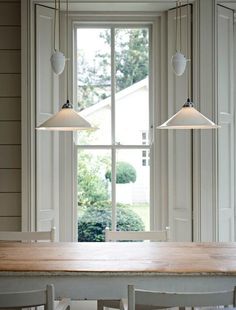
column 121, row 94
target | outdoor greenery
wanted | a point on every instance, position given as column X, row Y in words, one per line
column 92, row 187
column 97, row 217
column 125, row 173
column 131, row 66
column 93, row 199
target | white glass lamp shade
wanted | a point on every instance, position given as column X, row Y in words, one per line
column 188, row 118
column 58, row 62
column 67, row 119
column 178, row 62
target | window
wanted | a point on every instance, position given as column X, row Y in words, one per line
column 112, row 77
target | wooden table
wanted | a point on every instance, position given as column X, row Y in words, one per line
column 103, row 270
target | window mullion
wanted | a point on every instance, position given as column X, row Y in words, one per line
column 113, row 154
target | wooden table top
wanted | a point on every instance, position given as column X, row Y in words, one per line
column 121, row 257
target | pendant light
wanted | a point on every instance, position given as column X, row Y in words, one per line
column 188, row 117
column 178, row 60
column 67, row 119
column 57, row 59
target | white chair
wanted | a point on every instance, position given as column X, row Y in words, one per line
column 148, row 300
column 35, row 298
column 28, row 236
column 162, row 235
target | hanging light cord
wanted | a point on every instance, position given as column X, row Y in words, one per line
column 67, row 48
column 55, row 24
column 67, row 105
column 59, row 26
column 188, row 53
column 176, row 27
column 180, row 27
column 178, row 45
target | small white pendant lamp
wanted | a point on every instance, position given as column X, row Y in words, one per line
column 67, row 119
column 178, row 60
column 58, row 58
column 188, row 117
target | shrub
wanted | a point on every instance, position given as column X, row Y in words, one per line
column 95, row 219
column 125, row 173
column 91, row 186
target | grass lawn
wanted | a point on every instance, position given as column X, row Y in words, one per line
column 142, row 209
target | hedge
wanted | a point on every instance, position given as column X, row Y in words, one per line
column 96, row 218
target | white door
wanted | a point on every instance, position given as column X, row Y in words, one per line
column 226, row 121
column 179, row 141
column 47, row 145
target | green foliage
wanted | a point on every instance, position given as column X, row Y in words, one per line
column 125, row 173
column 91, row 186
column 131, row 58
column 96, row 218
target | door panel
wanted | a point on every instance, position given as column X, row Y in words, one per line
column 47, row 144
column 180, row 156
column 226, row 121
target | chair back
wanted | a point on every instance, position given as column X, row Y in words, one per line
column 162, row 235
column 142, row 299
column 28, row 236
column 28, row 299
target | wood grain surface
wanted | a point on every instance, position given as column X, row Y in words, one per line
column 119, row 257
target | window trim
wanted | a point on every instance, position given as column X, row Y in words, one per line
column 158, row 216
column 113, row 147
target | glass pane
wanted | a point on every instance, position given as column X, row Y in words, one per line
column 94, row 194
column 132, row 97
column 132, row 190
column 94, row 83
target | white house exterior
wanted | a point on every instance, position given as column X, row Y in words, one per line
column 132, row 123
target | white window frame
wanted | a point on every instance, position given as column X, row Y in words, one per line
column 68, row 189
column 113, row 147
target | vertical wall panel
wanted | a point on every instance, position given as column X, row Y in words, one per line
column 226, row 120
column 47, row 145
column 10, row 107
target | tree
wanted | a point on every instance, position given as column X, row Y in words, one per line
column 125, row 173
column 131, row 65
column 131, row 56
column 92, row 187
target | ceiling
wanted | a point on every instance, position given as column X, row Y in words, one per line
column 124, row 5
column 116, row 5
